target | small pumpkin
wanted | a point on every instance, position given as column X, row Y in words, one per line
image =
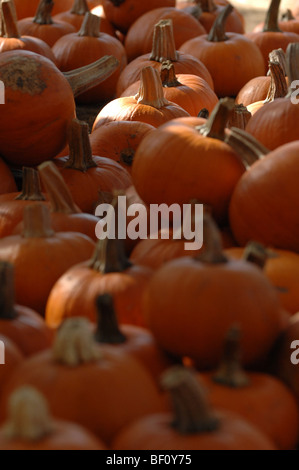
column 193, row 425
column 163, row 49
column 190, row 92
column 77, row 50
column 221, row 52
column 49, row 254
column 109, row 380
column 29, row 426
column 149, row 105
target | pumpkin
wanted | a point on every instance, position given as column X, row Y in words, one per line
column 280, row 266
column 85, row 174
column 130, row 339
column 190, row 92
column 207, row 11
column 11, row 40
column 192, row 294
column 123, row 13
column 272, row 37
column 257, row 89
column 149, row 105
column 108, row 271
column 139, row 38
column 220, row 52
column 88, row 45
column 119, row 140
column 33, row 84
column 76, row 14
column 277, row 89
column 49, row 254
column 193, row 425
column 252, row 395
column 163, row 49
column 20, row 324
column 65, row 215
column 288, row 23
column 108, row 379
column 258, row 211
column 27, row 8
column 12, row 204
column 197, row 159
column 42, row 25
column 29, row 426
column 276, row 124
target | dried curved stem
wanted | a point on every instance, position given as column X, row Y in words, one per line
column 43, row 13
column 107, row 326
column 271, row 23
column 217, row 32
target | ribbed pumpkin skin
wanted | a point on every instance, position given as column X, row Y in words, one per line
column 237, row 53
column 260, row 207
column 139, row 38
column 202, row 168
column 123, row 16
column 186, row 298
column 275, row 124
column 254, row 90
column 25, row 122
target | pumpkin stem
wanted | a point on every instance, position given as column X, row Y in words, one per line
column 204, row 113
column 207, row 5
column 7, row 291
column 288, row 16
column 246, row 146
column 191, row 411
column 230, row 372
column 37, row 221
column 43, row 12
column 216, row 124
column 90, row 26
column 107, row 326
column 212, row 251
column 217, row 32
column 31, row 188
column 10, row 25
column 271, row 23
column 292, row 60
column 117, row 3
column 163, row 42
column 168, row 76
column 80, row 153
column 278, row 86
column 239, row 117
column 109, row 255
column 79, row 7
column 29, row 417
column 256, row 253
column 59, row 194
column 278, row 55
column 193, row 10
column 150, row 89
column 84, row 78
column 74, row 343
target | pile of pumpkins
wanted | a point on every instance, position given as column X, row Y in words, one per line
column 137, row 343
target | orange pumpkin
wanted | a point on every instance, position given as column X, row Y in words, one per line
column 163, row 49
column 220, row 52
column 29, row 426
column 108, row 379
